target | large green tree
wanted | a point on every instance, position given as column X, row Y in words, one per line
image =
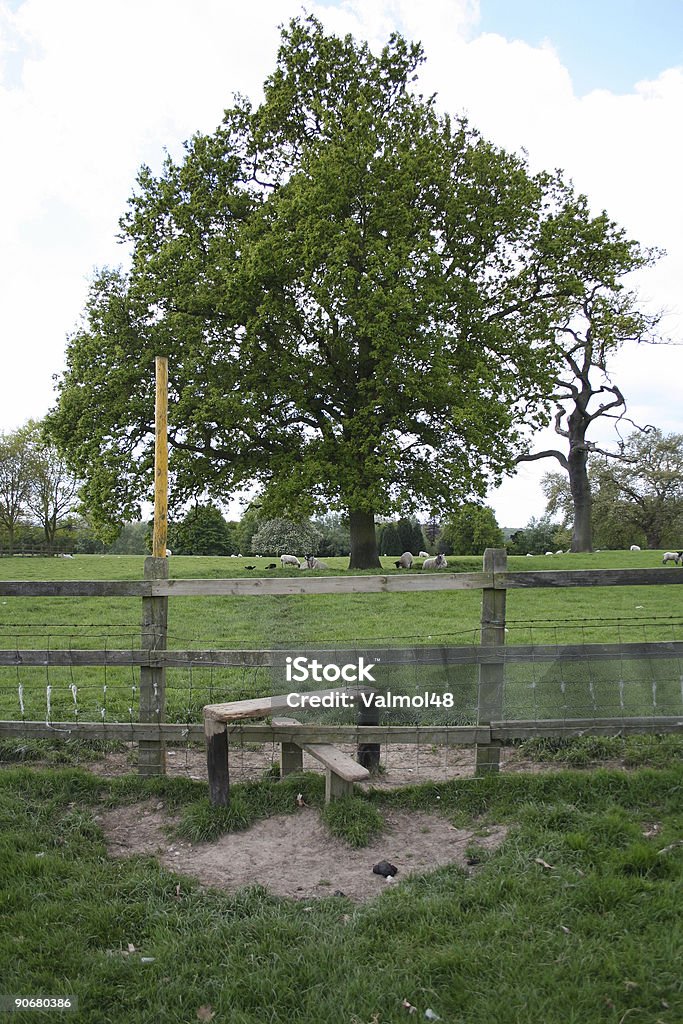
column 357, row 295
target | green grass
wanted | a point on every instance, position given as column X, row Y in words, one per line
column 558, row 615
column 595, row 937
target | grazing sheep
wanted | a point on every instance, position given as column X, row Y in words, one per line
column 290, row 560
column 634, row 547
column 438, row 562
column 423, row 554
column 405, row 561
column 673, row 556
column 314, row 563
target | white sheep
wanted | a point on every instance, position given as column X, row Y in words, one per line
column 405, row 561
column 423, row 554
column 548, row 552
column 560, row 552
column 673, row 556
column 437, row 562
column 290, row 560
column 314, row 563
column 635, row 547
column 168, row 552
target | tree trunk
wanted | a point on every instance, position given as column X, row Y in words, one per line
column 582, row 535
column 364, row 554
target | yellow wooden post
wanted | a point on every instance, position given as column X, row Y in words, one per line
column 159, row 538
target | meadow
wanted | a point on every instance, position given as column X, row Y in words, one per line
column 574, row 919
column 540, row 616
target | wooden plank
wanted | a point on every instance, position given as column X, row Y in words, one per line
column 74, row 659
column 665, row 575
column 336, row 760
column 444, row 736
column 349, row 584
column 75, row 588
column 246, row 733
column 491, row 673
column 261, row 707
column 399, row 583
column 257, row 707
column 417, row 656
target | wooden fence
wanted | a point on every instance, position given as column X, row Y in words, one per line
column 491, row 656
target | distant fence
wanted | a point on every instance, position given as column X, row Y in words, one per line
column 492, row 660
column 37, row 550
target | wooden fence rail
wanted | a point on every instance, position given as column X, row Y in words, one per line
column 490, row 656
column 397, row 656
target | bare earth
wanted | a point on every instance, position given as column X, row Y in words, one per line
column 294, row 855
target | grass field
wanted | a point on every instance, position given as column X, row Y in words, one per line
column 574, row 920
column 581, row 615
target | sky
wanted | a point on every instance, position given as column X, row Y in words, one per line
column 90, row 91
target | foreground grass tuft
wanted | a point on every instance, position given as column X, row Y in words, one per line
column 354, row 820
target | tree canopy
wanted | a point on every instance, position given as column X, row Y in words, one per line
column 356, row 293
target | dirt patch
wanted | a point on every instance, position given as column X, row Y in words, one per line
column 294, row 855
column 402, row 764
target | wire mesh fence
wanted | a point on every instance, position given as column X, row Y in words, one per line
column 560, row 670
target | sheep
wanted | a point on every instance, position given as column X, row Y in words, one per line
column 438, row 562
column 405, row 561
column 168, row 552
column 314, row 563
column 673, row 556
column 290, row 560
column 548, row 552
column 635, row 547
column 423, row 554
column 560, row 552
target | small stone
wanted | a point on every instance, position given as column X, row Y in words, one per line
column 385, row 868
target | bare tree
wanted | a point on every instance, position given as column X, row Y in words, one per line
column 606, row 318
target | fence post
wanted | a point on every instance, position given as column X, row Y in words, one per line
column 152, row 753
column 368, row 754
column 491, row 674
